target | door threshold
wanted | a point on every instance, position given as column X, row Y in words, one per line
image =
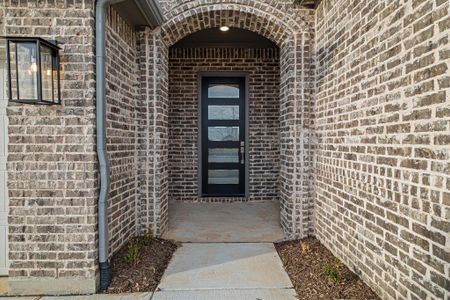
column 223, row 196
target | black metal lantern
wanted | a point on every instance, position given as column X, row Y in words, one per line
column 33, row 71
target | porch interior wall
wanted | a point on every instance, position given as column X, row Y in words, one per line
column 262, row 67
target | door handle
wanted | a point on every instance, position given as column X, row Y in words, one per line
column 242, row 152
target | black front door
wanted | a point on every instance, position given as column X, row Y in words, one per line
column 223, row 136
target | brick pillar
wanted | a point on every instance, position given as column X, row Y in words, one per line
column 161, row 134
column 287, row 142
column 153, row 133
column 295, row 136
column 304, row 82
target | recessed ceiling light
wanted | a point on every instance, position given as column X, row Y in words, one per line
column 224, row 28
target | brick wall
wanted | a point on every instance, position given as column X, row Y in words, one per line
column 52, row 169
column 122, row 104
column 382, row 123
column 262, row 67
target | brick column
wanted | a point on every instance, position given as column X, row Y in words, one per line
column 153, row 133
column 287, row 130
column 161, row 134
column 295, row 137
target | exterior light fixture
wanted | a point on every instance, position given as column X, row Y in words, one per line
column 33, row 71
column 224, row 28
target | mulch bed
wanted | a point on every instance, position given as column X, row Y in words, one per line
column 139, row 265
column 317, row 274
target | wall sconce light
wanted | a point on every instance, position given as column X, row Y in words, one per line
column 33, row 70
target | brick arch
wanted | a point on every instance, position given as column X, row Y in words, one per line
column 233, row 15
column 276, row 9
column 294, row 42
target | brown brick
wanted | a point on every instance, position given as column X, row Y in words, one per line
column 442, row 140
column 398, row 128
column 420, row 88
column 444, row 226
column 440, row 280
column 444, row 24
column 434, row 236
column 444, row 82
column 414, row 239
column 431, row 99
column 418, row 115
column 414, row 164
column 430, row 72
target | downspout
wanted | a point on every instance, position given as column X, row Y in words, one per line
column 105, row 272
column 152, row 11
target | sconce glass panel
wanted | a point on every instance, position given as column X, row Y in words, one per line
column 27, row 72
column 3, row 74
column 47, row 72
column 33, row 71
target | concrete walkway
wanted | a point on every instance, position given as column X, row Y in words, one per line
column 225, row 271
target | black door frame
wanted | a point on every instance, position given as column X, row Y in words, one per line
column 200, row 77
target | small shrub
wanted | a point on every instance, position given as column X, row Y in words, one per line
column 147, row 237
column 306, row 248
column 333, row 271
column 133, row 253
column 147, row 234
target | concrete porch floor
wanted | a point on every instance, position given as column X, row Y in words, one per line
column 243, row 222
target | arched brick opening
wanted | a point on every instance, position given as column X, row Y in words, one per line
column 233, row 16
column 269, row 9
column 293, row 39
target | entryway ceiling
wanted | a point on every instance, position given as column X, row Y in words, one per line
column 235, row 37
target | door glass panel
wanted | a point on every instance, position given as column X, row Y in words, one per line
column 223, row 112
column 223, row 90
column 221, row 133
column 223, row 155
column 223, row 176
